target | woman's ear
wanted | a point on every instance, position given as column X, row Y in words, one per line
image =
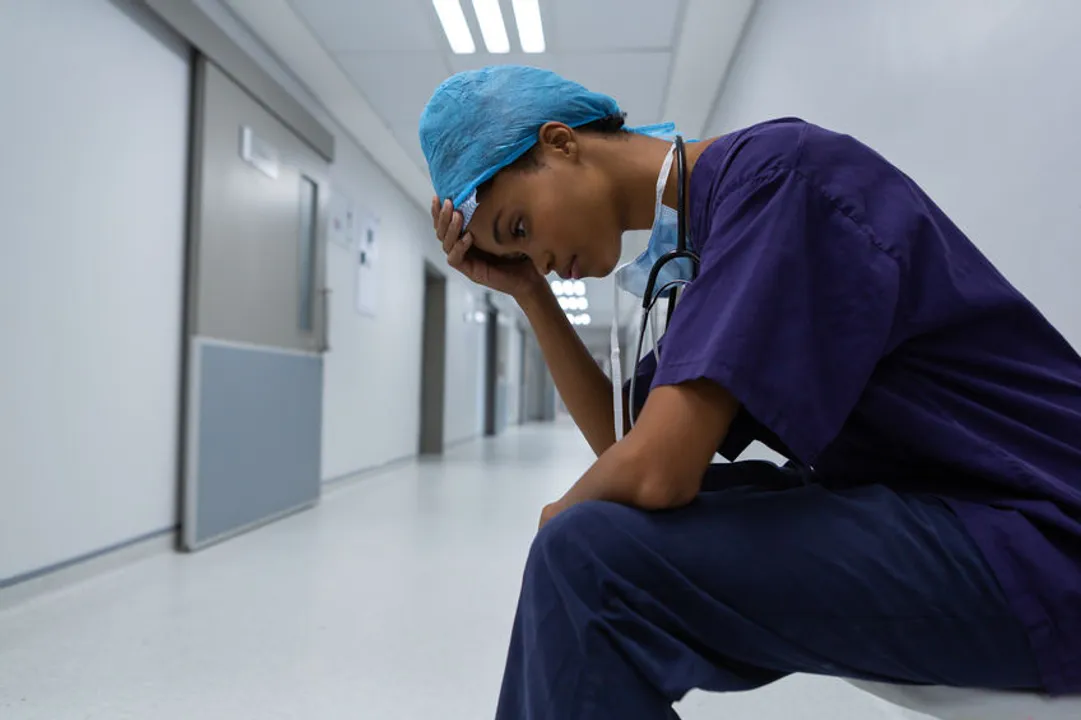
column 555, row 138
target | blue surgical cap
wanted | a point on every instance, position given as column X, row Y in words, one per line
column 480, row 121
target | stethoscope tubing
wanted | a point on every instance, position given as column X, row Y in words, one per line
column 672, row 288
column 681, row 251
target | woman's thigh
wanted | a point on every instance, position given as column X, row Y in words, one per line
column 747, row 584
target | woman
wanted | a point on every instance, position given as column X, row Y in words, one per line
column 927, row 528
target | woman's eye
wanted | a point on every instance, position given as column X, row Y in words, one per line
column 519, row 230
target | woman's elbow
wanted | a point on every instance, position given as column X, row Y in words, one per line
column 660, row 492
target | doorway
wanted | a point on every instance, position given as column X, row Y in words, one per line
column 491, row 371
column 433, row 363
column 256, row 316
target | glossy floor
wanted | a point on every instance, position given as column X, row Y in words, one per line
column 392, row 600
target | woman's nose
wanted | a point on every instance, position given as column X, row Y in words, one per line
column 544, row 262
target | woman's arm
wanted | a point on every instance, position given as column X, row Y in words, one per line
column 583, row 386
column 660, row 464
column 585, row 389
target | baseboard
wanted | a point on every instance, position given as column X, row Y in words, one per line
column 462, row 441
column 339, row 481
column 349, row 478
column 18, row 590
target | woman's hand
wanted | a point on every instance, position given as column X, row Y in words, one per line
column 517, row 279
column 550, row 511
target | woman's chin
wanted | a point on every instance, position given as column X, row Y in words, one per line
column 599, row 267
column 609, row 266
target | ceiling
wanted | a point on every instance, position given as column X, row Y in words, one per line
column 597, row 43
column 374, row 64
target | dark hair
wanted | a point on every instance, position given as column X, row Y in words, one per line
column 607, row 125
column 614, row 125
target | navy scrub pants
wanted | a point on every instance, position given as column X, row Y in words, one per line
column 623, row 611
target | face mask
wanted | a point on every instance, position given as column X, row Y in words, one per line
column 634, row 276
column 663, row 239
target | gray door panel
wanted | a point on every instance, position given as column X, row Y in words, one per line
column 250, row 227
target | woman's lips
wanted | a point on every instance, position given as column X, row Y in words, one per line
column 571, row 271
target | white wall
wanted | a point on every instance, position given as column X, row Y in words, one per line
column 371, row 396
column 978, row 100
column 92, row 193
column 371, row 393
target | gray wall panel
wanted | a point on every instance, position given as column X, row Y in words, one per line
column 258, row 437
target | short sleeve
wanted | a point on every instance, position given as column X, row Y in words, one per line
column 791, row 311
column 744, row 430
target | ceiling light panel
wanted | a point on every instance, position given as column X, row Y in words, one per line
column 452, row 17
column 530, row 28
column 492, row 27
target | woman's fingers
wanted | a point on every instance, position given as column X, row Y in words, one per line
column 453, row 232
column 446, row 214
column 448, row 228
column 456, row 255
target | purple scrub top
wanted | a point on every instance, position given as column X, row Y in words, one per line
column 870, row 340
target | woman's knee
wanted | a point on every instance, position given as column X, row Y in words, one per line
column 575, row 542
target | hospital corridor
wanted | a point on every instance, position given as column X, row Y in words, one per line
column 392, row 600
column 540, row 360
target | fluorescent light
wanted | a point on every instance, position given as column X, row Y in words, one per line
column 530, row 29
column 565, row 302
column 570, row 288
column 492, row 28
column 454, row 25
column 585, row 319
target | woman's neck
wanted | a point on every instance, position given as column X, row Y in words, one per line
column 633, row 165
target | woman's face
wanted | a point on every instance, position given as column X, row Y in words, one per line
column 561, row 214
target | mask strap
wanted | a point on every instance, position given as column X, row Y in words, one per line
column 662, row 180
column 617, row 367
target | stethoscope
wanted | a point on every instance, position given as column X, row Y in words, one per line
column 671, row 288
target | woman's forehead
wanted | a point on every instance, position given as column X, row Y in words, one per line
column 509, row 192
column 491, row 201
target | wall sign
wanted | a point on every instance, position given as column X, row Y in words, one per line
column 367, row 259
column 259, row 153
column 342, row 230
